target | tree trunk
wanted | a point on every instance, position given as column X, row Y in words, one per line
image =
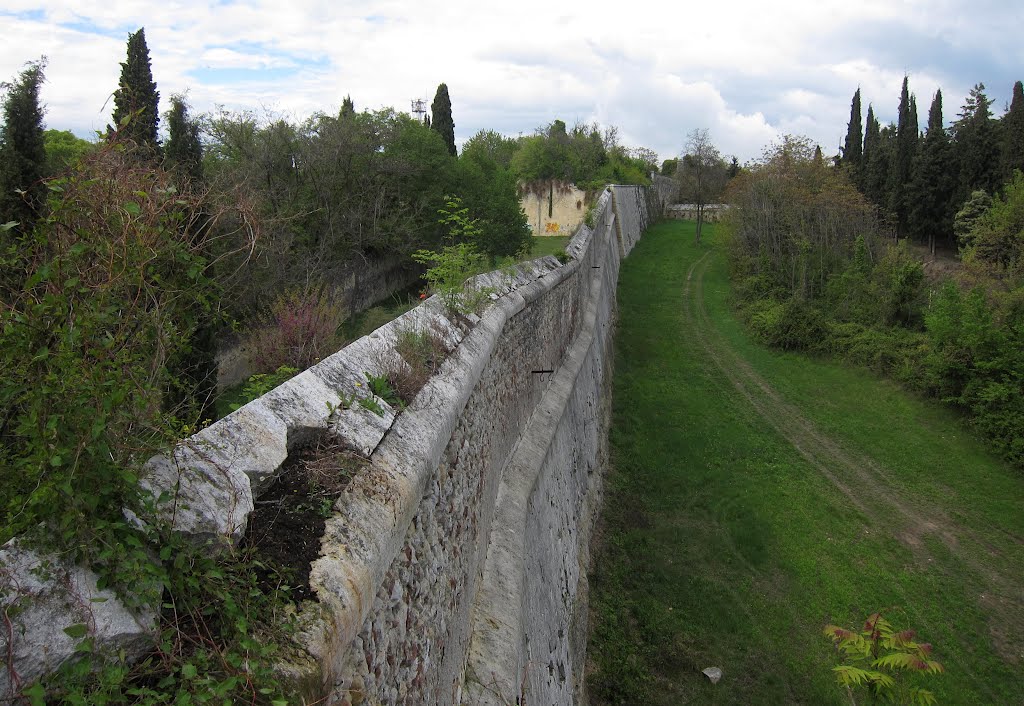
column 700, row 222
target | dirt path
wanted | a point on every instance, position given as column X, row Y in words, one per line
column 872, row 488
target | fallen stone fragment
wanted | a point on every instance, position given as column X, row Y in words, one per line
column 50, row 607
column 712, row 673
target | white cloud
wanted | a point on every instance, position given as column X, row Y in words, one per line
column 747, row 70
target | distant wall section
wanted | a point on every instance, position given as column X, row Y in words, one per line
column 553, row 207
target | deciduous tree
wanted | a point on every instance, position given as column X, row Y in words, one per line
column 795, row 222
column 63, row 149
column 702, row 174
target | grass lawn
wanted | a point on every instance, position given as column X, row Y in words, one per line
column 548, row 245
column 756, row 497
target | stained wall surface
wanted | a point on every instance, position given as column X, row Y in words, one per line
column 553, row 208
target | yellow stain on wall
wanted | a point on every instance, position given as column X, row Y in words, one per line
column 551, row 228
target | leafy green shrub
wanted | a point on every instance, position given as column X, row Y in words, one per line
column 900, row 278
column 876, row 655
column 107, row 288
column 96, row 299
column 222, row 633
column 889, row 351
column 790, row 325
column 447, row 272
column 449, row 269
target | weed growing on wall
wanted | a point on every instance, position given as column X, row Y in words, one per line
column 260, row 384
column 422, row 351
column 449, row 268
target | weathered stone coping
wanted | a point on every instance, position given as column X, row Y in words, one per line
column 361, row 543
column 496, row 645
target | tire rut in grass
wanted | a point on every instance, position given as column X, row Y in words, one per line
column 866, row 484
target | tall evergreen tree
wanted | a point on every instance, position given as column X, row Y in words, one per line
column 193, row 369
column 348, row 108
column 852, row 148
column 183, row 152
column 1013, row 133
column 977, row 145
column 871, row 130
column 22, row 148
column 136, row 100
column 441, row 117
column 903, row 159
column 931, row 191
column 877, row 176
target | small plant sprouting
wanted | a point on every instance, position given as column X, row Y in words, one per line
column 449, row 268
column 262, row 383
column 380, row 386
column 371, row 404
column 877, row 649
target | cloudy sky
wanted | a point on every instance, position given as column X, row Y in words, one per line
column 746, row 70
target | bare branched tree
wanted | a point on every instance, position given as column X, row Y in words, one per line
column 702, row 173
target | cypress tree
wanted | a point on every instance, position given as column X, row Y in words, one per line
column 931, row 215
column 881, row 153
column 183, row 152
column 348, row 108
column 22, row 148
column 852, row 148
column 193, row 369
column 441, row 117
column 901, row 169
column 871, row 130
column 977, row 145
column 1013, row 133
column 136, row 100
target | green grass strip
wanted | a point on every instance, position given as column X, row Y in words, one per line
column 755, row 497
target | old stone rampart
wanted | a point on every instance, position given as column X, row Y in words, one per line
column 453, row 569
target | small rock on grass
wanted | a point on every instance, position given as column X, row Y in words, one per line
column 712, row 673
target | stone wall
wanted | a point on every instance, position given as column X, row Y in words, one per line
column 713, row 212
column 555, row 208
column 453, row 569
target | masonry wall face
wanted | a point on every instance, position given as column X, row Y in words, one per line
column 568, row 209
column 412, row 648
column 486, row 600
